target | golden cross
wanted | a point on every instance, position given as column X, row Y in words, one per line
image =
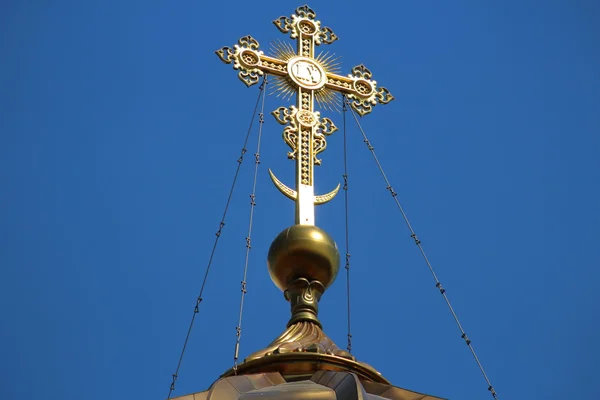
column 310, row 78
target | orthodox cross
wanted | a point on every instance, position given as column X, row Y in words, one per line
column 310, row 78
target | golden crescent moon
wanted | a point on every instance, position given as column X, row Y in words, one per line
column 292, row 194
column 287, row 192
column 324, row 198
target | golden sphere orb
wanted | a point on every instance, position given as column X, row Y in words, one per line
column 303, row 251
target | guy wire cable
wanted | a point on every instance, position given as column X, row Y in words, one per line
column 413, row 235
column 344, row 109
column 238, row 328
column 199, row 299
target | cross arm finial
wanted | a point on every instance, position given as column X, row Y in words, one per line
column 366, row 94
column 299, row 24
column 245, row 57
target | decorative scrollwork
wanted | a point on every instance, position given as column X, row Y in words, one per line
column 306, row 12
column 366, row 93
column 303, row 23
column 248, row 42
column 326, row 36
column 285, row 115
column 384, row 96
column 360, row 71
column 226, row 54
column 282, row 115
column 319, row 144
column 361, row 106
column 245, row 57
column 290, row 136
column 283, row 23
column 304, row 296
column 325, row 127
column 249, row 77
column 304, row 337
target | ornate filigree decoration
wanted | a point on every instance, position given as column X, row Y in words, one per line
column 304, row 121
column 312, row 78
column 245, row 57
column 304, row 333
column 304, row 296
column 306, row 12
column 302, row 337
column 285, row 115
column 325, row 128
column 303, row 22
column 366, row 94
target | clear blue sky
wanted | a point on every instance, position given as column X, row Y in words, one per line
column 120, row 132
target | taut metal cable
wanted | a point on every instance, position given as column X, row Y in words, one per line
column 199, row 299
column 413, row 235
column 238, row 328
column 344, row 109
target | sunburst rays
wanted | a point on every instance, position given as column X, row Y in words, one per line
column 329, row 61
column 283, row 50
column 327, row 98
column 283, row 87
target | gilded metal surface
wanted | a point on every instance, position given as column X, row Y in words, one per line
column 288, row 192
column 325, row 198
column 304, row 296
column 321, row 385
column 304, row 337
column 292, row 194
column 303, row 251
column 303, row 362
column 310, row 77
